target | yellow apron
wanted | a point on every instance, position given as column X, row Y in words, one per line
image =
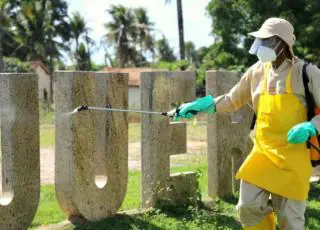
column 274, row 164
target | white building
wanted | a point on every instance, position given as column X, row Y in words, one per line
column 134, row 83
column 44, row 79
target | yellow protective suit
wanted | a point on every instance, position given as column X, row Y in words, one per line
column 274, row 164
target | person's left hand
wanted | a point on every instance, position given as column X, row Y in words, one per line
column 301, row 133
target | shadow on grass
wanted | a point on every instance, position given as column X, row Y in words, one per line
column 119, row 222
column 201, row 213
column 168, row 217
column 313, row 210
column 314, row 193
column 233, row 200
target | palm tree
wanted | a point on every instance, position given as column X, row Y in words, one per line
column 79, row 30
column 180, row 27
column 78, row 27
column 191, row 53
column 2, row 31
column 89, row 43
column 121, row 31
column 165, row 53
column 38, row 25
column 7, row 43
column 130, row 28
column 144, row 29
column 82, row 57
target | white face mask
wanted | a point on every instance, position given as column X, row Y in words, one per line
column 266, row 54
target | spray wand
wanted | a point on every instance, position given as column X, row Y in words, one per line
column 172, row 113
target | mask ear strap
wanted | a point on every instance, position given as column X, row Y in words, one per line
column 277, row 47
column 279, row 52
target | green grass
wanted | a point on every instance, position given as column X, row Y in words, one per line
column 48, row 209
column 197, row 132
column 221, row 217
column 132, row 199
column 134, row 132
column 194, row 132
column 46, row 117
column 313, row 210
column 47, row 133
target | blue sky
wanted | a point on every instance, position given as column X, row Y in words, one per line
column 196, row 24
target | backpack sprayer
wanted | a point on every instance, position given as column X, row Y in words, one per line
column 314, row 146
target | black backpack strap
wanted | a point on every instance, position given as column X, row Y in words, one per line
column 310, row 103
column 253, row 122
column 308, row 95
column 309, row 98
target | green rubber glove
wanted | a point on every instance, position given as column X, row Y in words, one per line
column 301, row 133
column 203, row 104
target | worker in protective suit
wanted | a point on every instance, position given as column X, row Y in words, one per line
column 279, row 163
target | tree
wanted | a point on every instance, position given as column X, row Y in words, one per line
column 2, row 31
column 79, row 30
column 165, row 53
column 89, row 44
column 233, row 20
column 180, row 28
column 14, row 65
column 121, row 31
column 201, row 53
column 7, row 43
column 82, row 57
column 129, row 28
column 190, row 52
column 38, row 26
column 78, row 27
column 144, row 28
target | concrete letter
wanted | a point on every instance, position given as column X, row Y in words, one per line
column 91, row 146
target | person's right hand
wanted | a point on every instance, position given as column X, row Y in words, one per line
column 204, row 104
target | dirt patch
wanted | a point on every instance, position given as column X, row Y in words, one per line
column 47, row 158
column 194, row 148
column 47, row 165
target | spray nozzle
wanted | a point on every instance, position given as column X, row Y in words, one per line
column 82, row 107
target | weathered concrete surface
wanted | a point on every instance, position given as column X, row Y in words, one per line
column 226, row 140
column 20, row 167
column 91, row 172
column 181, row 186
column 159, row 138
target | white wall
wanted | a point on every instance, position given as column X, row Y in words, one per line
column 44, row 81
column 134, row 97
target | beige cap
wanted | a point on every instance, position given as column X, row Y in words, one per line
column 279, row 27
